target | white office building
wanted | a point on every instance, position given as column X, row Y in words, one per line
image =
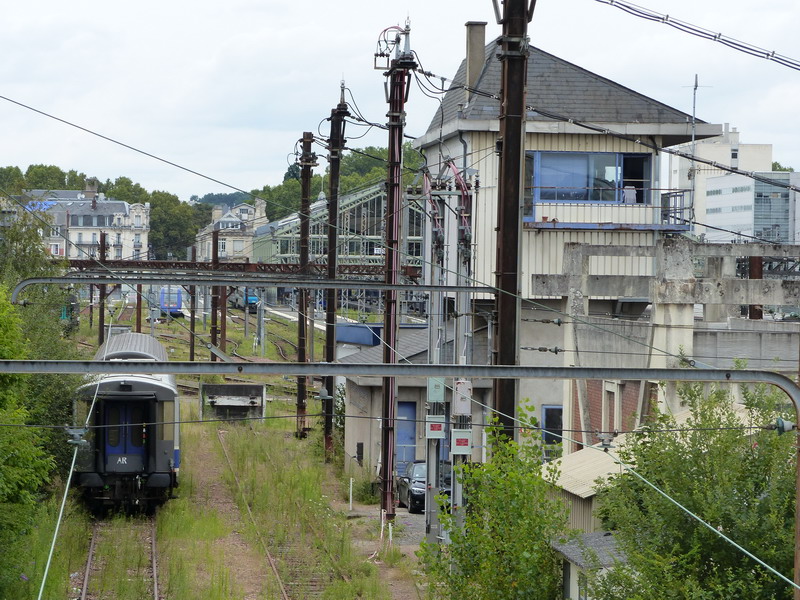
column 725, row 149
column 740, row 208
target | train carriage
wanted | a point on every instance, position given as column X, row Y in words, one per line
column 133, row 454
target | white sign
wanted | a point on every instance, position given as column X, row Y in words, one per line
column 434, row 427
column 461, row 442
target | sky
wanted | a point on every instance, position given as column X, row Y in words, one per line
column 227, row 89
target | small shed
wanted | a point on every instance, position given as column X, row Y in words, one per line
column 232, row 400
column 585, row 553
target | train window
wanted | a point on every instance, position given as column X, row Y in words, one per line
column 112, row 419
column 166, row 416
column 136, row 428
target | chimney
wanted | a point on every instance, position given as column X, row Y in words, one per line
column 90, row 191
column 476, row 53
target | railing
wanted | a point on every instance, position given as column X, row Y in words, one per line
column 670, row 212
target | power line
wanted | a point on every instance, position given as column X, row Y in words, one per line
column 427, row 74
column 645, row 13
column 527, row 427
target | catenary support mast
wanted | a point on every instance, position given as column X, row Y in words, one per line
column 335, row 146
column 398, row 74
column 514, row 57
column 307, row 161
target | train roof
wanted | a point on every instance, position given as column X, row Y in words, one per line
column 132, row 346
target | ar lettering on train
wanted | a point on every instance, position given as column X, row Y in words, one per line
column 122, row 460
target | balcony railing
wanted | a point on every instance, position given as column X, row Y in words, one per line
column 670, row 213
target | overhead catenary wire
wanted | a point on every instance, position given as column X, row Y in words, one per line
column 746, row 48
column 212, row 179
column 265, row 418
column 426, row 74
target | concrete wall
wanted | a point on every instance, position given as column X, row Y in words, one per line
column 764, row 344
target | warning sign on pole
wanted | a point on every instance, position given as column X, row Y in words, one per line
column 461, row 441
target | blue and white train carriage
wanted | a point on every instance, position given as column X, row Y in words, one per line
column 133, row 455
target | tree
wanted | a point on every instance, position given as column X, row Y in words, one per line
column 22, row 253
column 293, row 172
column 172, row 226
column 741, row 481
column 776, row 166
column 231, row 199
column 11, row 181
column 76, row 180
column 47, row 397
column 124, row 189
column 45, row 177
column 503, row 548
column 24, row 465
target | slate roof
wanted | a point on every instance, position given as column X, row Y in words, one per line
column 411, row 344
column 591, row 550
column 74, row 201
column 558, row 86
column 84, row 207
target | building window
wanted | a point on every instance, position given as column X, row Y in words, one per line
column 118, row 239
column 118, row 253
column 586, row 177
column 55, row 250
column 137, row 255
column 238, row 246
column 87, row 220
column 221, row 247
column 552, row 430
column 94, row 238
column 80, row 237
column 552, row 427
column 137, row 220
column 73, row 220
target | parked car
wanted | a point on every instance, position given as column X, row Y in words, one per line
column 411, row 481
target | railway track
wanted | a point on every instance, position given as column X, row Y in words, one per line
column 119, row 559
column 298, row 574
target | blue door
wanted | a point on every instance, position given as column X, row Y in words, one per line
column 124, row 436
column 406, row 427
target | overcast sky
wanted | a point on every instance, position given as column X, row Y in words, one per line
column 227, row 88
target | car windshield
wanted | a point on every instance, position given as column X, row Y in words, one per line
column 420, row 470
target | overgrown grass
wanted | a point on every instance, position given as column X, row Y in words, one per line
column 191, row 568
column 364, row 489
column 282, row 483
column 125, row 560
column 186, row 535
column 23, row 559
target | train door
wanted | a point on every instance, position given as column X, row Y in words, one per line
column 125, row 436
